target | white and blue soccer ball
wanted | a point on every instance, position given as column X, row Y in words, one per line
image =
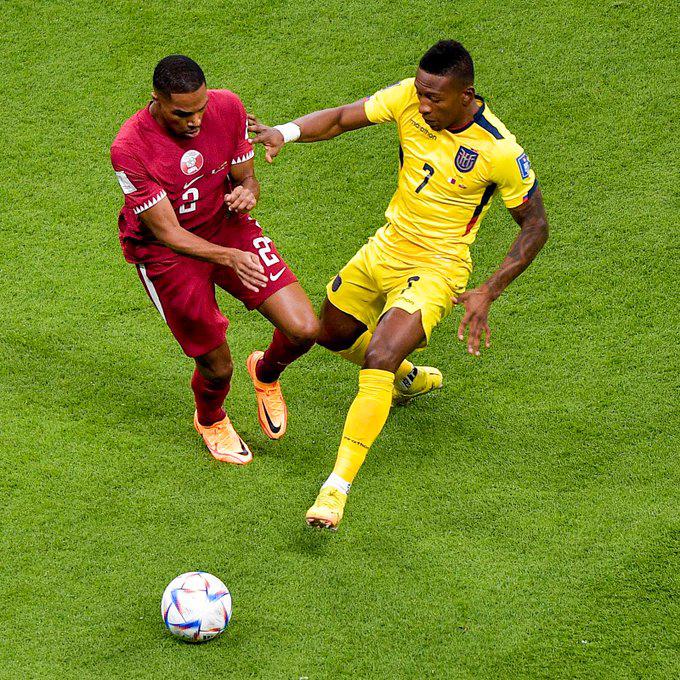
column 196, row 606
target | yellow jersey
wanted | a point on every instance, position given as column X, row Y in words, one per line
column 447, row 178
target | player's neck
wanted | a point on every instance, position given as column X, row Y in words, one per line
column 466, row 118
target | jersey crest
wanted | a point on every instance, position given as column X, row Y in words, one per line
column 192, row 162
column 465, row 159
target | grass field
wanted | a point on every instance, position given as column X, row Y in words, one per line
column 522, row 523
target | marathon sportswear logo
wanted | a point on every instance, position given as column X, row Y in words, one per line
column 465, row 159
column 191, row 162
column 424, row 130
column 125, row 184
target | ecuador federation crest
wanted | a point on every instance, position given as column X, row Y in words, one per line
column 465, row 159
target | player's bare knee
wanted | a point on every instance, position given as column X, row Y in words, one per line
column 381, row 357
column 305, row 333
column 218, row 371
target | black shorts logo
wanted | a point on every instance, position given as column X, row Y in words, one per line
column 336, row 283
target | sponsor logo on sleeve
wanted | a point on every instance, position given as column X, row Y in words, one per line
column 465, row 159
column 125, row 184
column 524, row 165
column 191, row 162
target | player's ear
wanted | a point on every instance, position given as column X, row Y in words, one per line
column 468, row 95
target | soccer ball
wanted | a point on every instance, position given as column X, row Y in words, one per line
column 196, row 606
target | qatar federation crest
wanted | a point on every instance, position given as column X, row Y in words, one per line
column 191, row 162
column 465, row 159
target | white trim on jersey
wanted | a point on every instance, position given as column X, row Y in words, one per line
column 151, row 290
column 244, row 158
column 150, row 203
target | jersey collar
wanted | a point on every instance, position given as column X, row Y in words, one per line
column 475, row 119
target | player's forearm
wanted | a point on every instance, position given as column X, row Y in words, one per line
column 532, row 237
column 252, row 184
column 320, row 125
column 162, row 223
column 522, row 253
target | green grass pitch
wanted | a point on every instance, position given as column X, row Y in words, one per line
column 522, row 523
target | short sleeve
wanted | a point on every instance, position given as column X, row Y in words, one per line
column 141, row 191
column 244, row 149
column 386, row 104
column 513, row 174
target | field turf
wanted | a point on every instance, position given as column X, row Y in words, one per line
column 522, row 523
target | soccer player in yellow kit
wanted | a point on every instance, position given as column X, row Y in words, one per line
column 455, row 155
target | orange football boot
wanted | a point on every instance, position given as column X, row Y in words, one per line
column 223, row 441
column 272, row 411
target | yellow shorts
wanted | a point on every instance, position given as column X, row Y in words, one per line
column 374, row 281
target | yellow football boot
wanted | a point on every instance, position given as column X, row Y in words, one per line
column 328, row 509
column 223, row 442
column 426, row 379
column 272, row 411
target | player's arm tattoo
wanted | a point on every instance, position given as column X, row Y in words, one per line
column 532, row 237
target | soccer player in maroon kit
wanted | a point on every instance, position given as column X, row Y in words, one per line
column 186, row 168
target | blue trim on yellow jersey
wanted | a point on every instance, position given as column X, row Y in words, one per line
column 477, row 115
column 484, row 123
column 486, row 197
column 531, row 191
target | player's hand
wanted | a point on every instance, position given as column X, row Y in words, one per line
column 271, row 139
column 476, row 303
column 248, row 268
column 240, row 199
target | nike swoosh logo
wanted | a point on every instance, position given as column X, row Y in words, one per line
column 195, row 179
column 275, row 277
column 273, row 427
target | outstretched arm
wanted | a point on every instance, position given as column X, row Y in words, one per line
column 314, row 127
column 533, row 234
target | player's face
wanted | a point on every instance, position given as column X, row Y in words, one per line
column 182, row 114
column 443, row 100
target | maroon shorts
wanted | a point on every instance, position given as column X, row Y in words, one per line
column 183, row 288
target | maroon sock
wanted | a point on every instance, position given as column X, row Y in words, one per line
column 209, row 396
column 278, row 355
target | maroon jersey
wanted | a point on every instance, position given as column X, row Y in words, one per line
column 151, row 164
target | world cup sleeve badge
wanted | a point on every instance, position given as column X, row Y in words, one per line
column 465, row 159
column 524, row 165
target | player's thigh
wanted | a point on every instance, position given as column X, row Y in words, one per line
column 356, row 291
column 397, row 335
column 290, row 310
column 248, row 236
column 427, row 292
column 339, row 330
column 182, row 291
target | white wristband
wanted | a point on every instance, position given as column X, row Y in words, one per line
column 290, row 132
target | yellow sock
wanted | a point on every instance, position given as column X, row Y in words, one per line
column 366, row 417
column 357, row 352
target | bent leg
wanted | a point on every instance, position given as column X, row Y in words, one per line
column 211, row 382
column 349, row 338
column 297, row 328
column 396, row 336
